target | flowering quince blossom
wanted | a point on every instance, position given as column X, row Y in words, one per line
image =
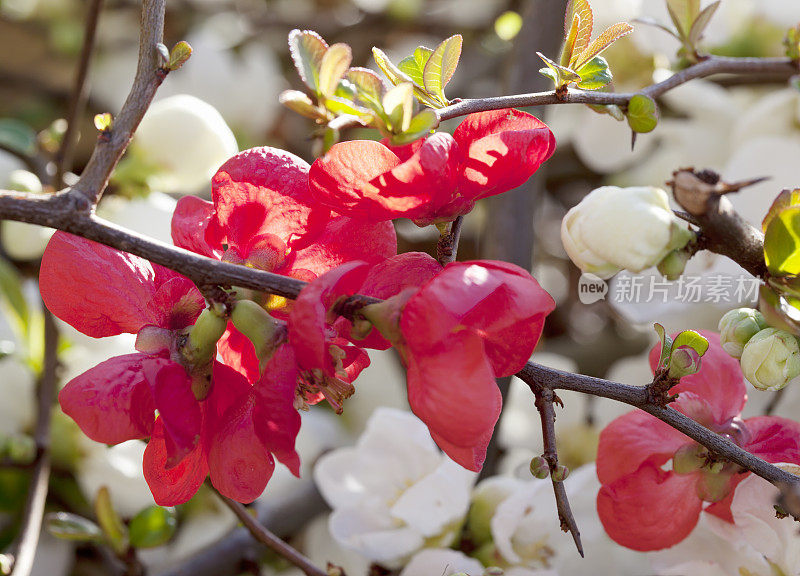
column 393, row 493
column 645, row 507
column 228, row 430
column 437, row 178
column 758, row 543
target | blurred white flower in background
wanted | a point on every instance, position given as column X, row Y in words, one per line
column 441, row 562
column 151, row 215
column 184, row 140
column 758, row 543
column 394, row 492
column 23, row 241
column 17, row 397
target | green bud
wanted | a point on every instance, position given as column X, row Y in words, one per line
column 689, row 458
column 673, row 264
column 540, row 468
column 683, row 362
column 201, row 345
column 770, row 359
column 560, row 473
column 259, row 327
column 737, row 327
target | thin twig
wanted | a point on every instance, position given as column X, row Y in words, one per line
column 113, row 142
column 28, row 539
column 447, row 247
column 544, row 404
column 274, row 543
column 63, row 157
column 774, row 401
column 748, row 67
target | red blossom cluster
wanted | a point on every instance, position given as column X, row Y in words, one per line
column 218, row 396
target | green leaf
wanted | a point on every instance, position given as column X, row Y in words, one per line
column 341, row 107
column 606, row 39
column 369, row 86
column 153, row 526
column 441, row 66
column 785, row 199
column 398, row 104
column 11, row 292
column 420, row 125
column 642, row 113
column 307, row 49
column 301, row 103
column 666, row 345
column 611, row 109
column 701, row 22
column 18, row 136
column 103, row 122
column 392, row 72
column 69, row 526
column 582, row 28
column 179, row 55
column 659, row 25
column 558, row 74
column 414, row 66
column 683, row 14
column 569, row 42
column 334, row 64
column 595, row 74
column 782, row 243
column 110, row 522
column 691, row 339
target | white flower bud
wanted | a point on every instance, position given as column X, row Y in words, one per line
column 186, row 140
column 770, row 359
column 622, row 228
column 24, row 241
column 737, row 327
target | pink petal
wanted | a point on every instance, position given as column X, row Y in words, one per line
column 97, row 290
column 470, row 457
column 501, row 150
column 633, row 439
column 111, row 403
column 175, row 484
column 239, row 353
column 453, row 390
column 649, row 509
column 265, row 190
column 190, row 221
column 774, row 439
column 176, row 304
column 343, row 240
column 277, row 422
column 719, row 380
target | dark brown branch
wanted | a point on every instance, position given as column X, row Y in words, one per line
column 544, row 404
column 447, row 247
column 80, row 92
column 112, row 144
column 751, row 68
column 272, row 542
column 28, row 539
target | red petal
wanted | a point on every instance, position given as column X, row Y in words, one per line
column 111, row 403
column 190, row 221
column 176, row 484
column 501, row 150
column 265, row 191
column 344, row 240
column 774, row 439
column 343, row 178
column 470, row 457
column 277, row 421
column 719, row 380
column 176, row 304
column 632, row 439
column 453, row 390
column 97, row 290
column 650, row 509
column 238, row 352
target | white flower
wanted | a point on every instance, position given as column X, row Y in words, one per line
column 441, row 562
column 151, row 216
column 613, row 229
column 770, row 359
column 187, row 140
column 23, row 241
column 17, row 397
column 758, row 543
column 394, row 492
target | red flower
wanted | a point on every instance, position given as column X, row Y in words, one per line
column 103, row 292
column 472, row 323
column 644, row 506
column 263, row 216
column 435, row 179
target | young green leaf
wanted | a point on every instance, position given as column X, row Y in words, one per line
column 558, row 74
column 606, row 39
column 683, row 14
column 441, row 66
column 301, row 103
column 414, row 66
column 583, row 30
column 595, row 74
column 369, row 86
column 611, row 109
column 420, row 125
column 153, row 526
column 785, row 199
column 701, row 22
column 398, row 104
column 69, row 526
column 691, row 339
column 569, row 42
column 104, row 121
column 307, row 49
column 340, row 107
column 112, row 525
column 642, row 113
column 179, row 55
column 332, row 67
column 666, row 345
column 782, row 243
column 392, row 72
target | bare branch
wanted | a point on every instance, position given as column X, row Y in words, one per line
column 112, row 144
column 272, row 542
column 447, row 247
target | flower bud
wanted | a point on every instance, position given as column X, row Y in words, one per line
column 673, row 264
column 684, row 361
column 259, row 327
column 560, row 473
column 201, row 345
column 770, row 359
column 24, row 241
column 622, row 228
column 737, row 327
column 540, row 468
